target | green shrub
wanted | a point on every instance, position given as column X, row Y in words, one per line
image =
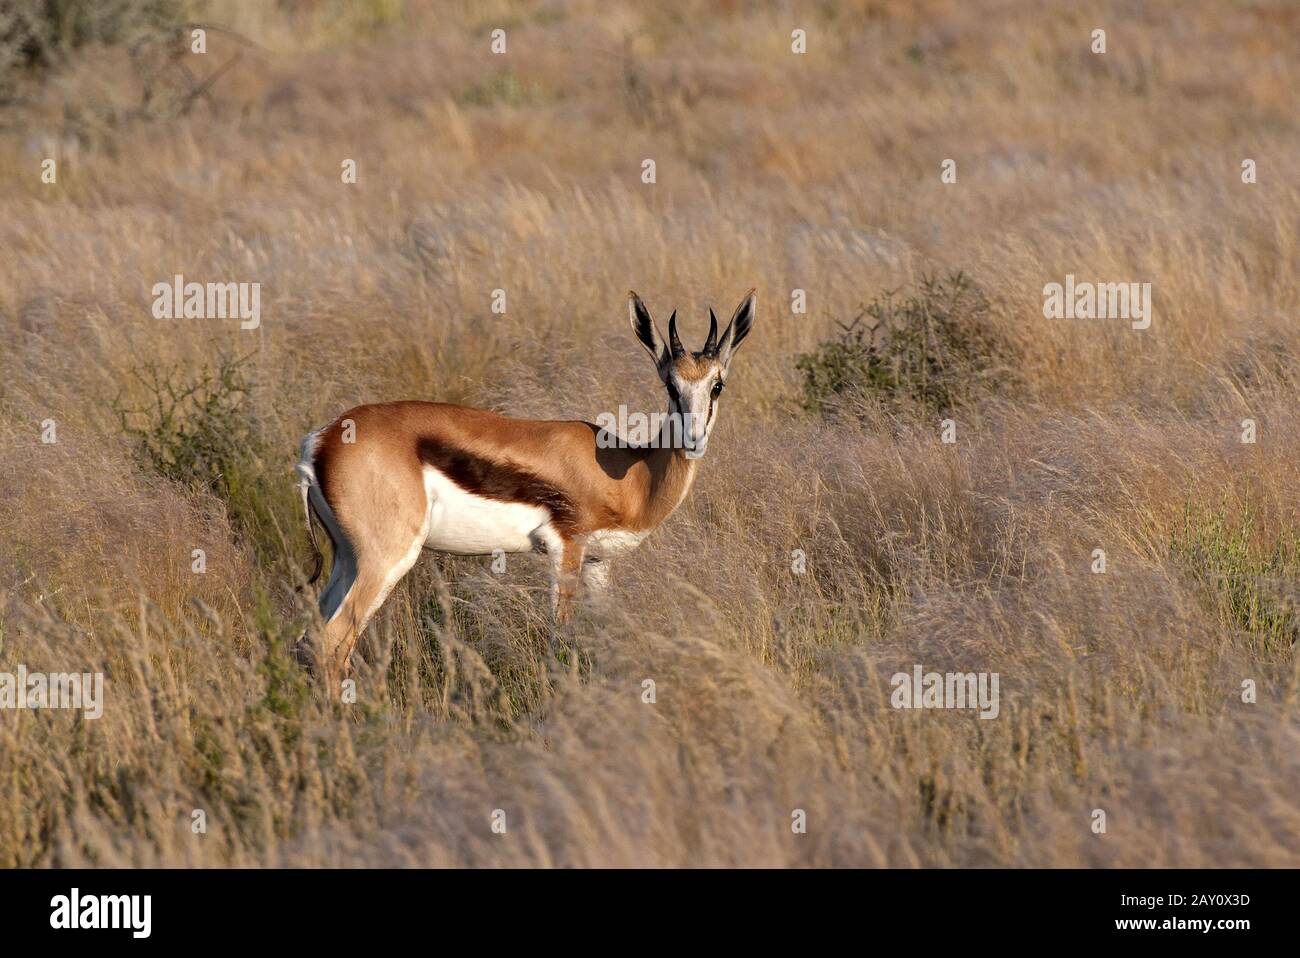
column 1246, row 584
column 35, row 33
column 503, row 87
column 199, row 430
column 195, row 431
column 932, row 348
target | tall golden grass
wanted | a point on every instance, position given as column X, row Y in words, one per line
column 1120, row 691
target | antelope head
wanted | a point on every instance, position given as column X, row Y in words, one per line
column 694, row 380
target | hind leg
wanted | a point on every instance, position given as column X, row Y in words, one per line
column 379, row 524
column 377, row 572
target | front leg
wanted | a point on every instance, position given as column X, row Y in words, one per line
column 566, row 570
column 595, row 574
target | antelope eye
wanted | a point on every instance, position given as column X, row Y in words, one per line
column 717, row 389
column 672, row 391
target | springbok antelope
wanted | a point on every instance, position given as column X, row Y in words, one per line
column 389, row 480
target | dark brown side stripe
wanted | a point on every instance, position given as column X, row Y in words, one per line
column 499, row 481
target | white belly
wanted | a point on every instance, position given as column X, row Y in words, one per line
column 466, row 524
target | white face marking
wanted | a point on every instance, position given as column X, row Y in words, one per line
column 699, row 409
column 466, row 524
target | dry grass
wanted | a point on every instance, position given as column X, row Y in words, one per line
column 820, row 172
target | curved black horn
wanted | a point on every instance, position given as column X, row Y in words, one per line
column 674, row 343
column 711, row 344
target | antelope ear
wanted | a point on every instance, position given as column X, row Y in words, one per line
column 742, row 320
column 647, row 333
